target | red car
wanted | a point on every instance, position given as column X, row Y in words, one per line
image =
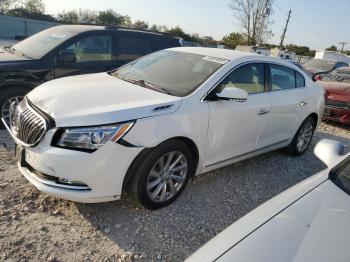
column 337, row 87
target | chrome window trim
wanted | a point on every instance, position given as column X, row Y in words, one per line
column 254, row 62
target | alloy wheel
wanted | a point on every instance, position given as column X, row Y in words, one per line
column 167, row 176
column 305, row 136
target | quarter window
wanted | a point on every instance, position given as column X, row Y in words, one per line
column 248, row 77
column 282, row 78
column 130, row 48
column 300, row 80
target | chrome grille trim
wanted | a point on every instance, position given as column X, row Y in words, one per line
column 28, row 125
column 337, row 104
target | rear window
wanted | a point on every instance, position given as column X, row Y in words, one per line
column 320, row 64
column 342, row 76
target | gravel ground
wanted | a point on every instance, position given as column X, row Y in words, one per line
column 37, row 227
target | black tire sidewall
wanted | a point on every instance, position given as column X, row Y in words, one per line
column 140, row 176
column 293, row 146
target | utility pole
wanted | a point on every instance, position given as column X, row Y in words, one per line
column 342, row 46
column 285, row 29
column 267, row 12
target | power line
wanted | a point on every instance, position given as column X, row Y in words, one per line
column 285, row 29
column 305, row 24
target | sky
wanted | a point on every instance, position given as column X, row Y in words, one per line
column 314, row 23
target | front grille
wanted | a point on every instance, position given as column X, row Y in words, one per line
column 337, row 104
column 27, row 124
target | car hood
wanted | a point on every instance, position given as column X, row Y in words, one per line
column 336, row 88
column 315, row 228
column 6, row 57
column 309, row 222
column 98, row 99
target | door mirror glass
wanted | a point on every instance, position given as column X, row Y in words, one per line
column 233, row 93
column 66, row 57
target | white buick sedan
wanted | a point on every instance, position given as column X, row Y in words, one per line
column 308, row 223
column 151, row 125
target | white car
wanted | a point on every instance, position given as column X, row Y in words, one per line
column 308, row 223
column 153, row 124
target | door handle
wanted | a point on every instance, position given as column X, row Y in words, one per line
column 302, row 103
column 263, row 112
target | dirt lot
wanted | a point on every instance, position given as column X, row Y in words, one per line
column 36, row 227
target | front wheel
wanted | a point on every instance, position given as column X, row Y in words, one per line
column 303, row 137
column 162, row 175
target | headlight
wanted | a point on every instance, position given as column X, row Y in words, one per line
column 92, row 138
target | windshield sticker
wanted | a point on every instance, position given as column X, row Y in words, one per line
column 215, row 59
column 59, row 36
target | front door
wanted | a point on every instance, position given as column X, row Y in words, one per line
column 235, row 127
column 87, row 54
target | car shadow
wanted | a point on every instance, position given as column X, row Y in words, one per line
column 209, row 204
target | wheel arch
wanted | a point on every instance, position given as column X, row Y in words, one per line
column 315, row 117
column 189, row 142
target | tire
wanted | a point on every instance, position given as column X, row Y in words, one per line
column 148, row 177
column 8, row 94
column 295, row 149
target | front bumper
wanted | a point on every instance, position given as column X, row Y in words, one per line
column 337, row 114
column 102, row 172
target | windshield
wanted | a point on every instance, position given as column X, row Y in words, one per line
column 171, row 72
column 320, row 64
column 342, row 176
column 339, row 75
column 41, row 43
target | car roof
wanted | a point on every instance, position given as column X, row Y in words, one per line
column 76, row 29
column 231, row 55
column 215, row 52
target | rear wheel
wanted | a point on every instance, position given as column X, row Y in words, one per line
column 303, row 137
column 162, row 175
column 8, row 96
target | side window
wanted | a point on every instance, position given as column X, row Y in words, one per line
column 282, row 78
column 130, row 48
column 300, row 80
column 341, row 64
column 248, row 77
column 91, row 48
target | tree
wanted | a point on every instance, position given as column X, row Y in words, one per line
column 347, row 52
column 141, row 25
column 6, row 5
column 87, row 16
column 34, row 6
column 255, row 18
column 301, row 50
column 109, row 17
column 332, row 48
column 208, row 41
column 232, row 40
column 70, row 17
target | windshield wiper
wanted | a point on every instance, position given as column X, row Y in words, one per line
column 144, row 84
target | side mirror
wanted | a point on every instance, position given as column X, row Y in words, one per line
column 316, row 77
column 329, row 151
column 233, row 93
column 66, row 57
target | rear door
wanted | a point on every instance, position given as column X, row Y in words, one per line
column 89, row 53
column 289, row 99
column 130, row 46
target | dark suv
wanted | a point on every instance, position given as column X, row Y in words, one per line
column 70, row 50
